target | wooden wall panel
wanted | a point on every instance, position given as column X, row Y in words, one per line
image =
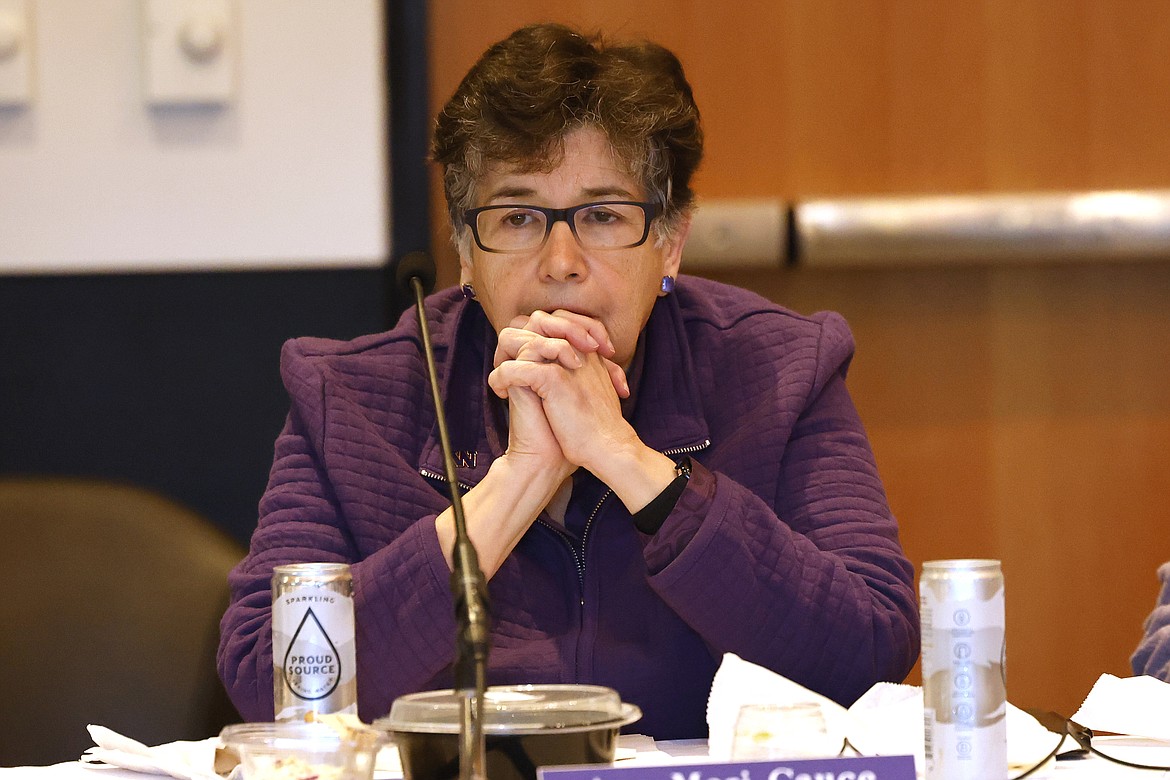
column 1016, row 412
column 1021, row 413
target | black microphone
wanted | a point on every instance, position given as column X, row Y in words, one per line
column 415, row 265
column 416, row 272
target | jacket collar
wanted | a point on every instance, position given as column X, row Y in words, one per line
column 667, row 406
column 668, row 412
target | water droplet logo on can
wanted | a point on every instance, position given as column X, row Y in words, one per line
column 312, row 665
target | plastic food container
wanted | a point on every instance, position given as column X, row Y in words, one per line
column 525, row 726
column 300, row 751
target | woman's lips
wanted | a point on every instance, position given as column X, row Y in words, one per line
column 573, row 309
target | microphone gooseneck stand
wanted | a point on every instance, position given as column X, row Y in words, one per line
column 467, row 581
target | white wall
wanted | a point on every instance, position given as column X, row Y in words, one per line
column 291, row 173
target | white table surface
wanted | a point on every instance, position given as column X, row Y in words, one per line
column 687, row 751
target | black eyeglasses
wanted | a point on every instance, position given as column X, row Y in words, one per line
column 614, row 224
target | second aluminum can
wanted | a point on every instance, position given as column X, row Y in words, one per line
column 964, row 670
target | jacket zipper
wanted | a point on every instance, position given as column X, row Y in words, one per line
column 579, row 555
column 704, row 444
column 442, row 478
column 584, row 538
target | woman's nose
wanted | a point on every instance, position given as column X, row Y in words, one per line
column 561, row 255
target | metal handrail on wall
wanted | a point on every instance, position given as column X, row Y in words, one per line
column 972, row 229
column 892, row 231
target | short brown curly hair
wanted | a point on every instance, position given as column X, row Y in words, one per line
column 528, row 91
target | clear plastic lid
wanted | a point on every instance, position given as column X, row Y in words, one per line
column 513, row 709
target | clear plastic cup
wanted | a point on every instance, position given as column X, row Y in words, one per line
column 778, row 731
column 290, row 751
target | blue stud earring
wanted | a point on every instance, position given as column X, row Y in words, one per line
column 468, row 292
column 667, row 285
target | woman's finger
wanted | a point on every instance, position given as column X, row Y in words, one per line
column 584, row 333
column 519, row 373
column 544, row 350
column 618, row 377
column 526, row 345
column 514, row 344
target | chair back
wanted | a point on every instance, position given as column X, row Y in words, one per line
column 109, row 614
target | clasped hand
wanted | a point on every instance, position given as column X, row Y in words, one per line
column 564, row 394
column 563, row 391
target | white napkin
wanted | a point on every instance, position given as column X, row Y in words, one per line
column 191, row 760
column 1137, row 706
column 887, row 720
column 181, row 760
column 738, row 682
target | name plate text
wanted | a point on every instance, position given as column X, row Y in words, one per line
column 851, row 768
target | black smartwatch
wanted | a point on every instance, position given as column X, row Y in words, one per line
column 650, row 518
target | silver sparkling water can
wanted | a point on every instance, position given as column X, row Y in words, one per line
column 963, row 670
column 313, row 658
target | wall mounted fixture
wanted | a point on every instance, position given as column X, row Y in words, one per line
column 190, row 51
column 16, row 53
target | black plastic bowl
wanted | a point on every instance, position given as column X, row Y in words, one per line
column 525, row 727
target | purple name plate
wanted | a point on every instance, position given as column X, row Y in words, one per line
column 852, row 768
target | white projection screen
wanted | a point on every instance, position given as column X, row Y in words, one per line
column 289, row 172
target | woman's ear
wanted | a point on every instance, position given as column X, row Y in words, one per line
column 672, row 249
column 466, row 269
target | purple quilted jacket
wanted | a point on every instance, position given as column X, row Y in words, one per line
column 782, row 548
column 1152, row 655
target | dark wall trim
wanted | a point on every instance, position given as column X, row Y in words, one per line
column 410, row 129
